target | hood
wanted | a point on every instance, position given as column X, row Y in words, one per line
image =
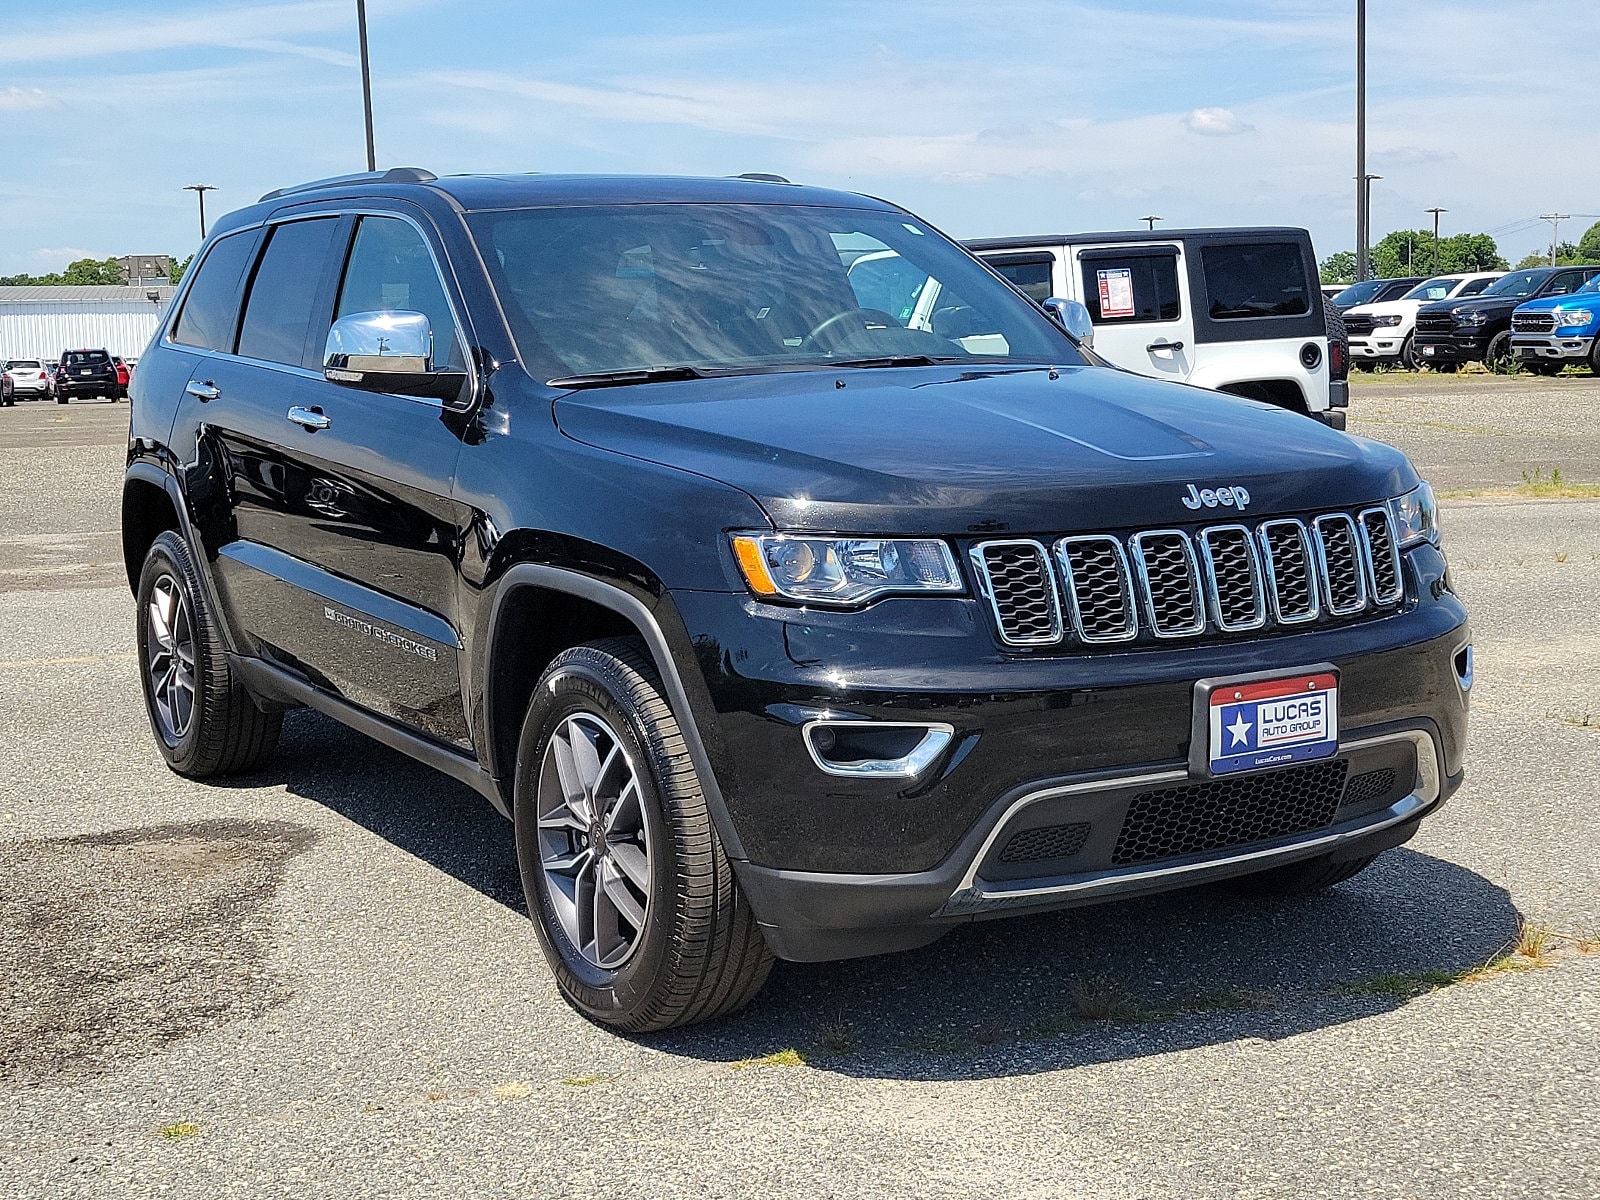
column 1385, row 308
column 1578, row 299
column 1489, row 304
column 941, row 450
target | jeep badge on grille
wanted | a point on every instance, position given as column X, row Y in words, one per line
column 1227, row 497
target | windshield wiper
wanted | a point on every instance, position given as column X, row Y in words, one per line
column 891, row 360
column 623, row 378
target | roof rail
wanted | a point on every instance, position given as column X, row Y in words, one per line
column 392, row 175
column 762, row 177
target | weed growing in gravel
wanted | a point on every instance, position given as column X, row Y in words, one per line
column 1098, row 998
column 586, row 1080
column 837, row 1037
column 1583, row 720
column 179, row 1130
column 778, row 1058
column 513, row 1091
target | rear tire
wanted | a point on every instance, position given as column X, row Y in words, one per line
column 1299, row 879
column 636, row 906
column 204, row 722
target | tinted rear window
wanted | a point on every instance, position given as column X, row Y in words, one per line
column 1030, row 276
column 278, row 314
column 212, row 307
column 86, row 358
column 1265, row 279
column 23, row 364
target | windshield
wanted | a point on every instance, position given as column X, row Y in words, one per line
column 731, row 288
column 1358, row 293
column 1431, row 289
column 1518, row 283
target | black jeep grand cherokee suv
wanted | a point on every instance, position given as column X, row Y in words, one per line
column 778, row 624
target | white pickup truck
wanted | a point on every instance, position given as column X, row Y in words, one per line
column 1380, row 333
column 1235, row 310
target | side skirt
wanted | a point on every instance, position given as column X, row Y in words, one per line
column 275, row 684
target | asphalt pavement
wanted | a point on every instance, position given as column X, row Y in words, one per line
column 320, row 980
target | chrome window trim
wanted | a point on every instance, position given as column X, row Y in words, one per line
column 981, row 569
column 1369, row 554
column 1257, row 580
column 1423, row 796
column 1356, row 546
column 1269, row 563
column 1141, row 566
column 1129, row 601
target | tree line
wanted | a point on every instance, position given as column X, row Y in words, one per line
column 1411, row 252
column 88, row 272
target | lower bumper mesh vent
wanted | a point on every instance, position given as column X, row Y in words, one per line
column 1052, row 841
column 1371, row 786
column 1219, row 813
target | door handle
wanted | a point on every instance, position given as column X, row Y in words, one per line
column 1173, row 346
column 310, row 418
column 203, row 392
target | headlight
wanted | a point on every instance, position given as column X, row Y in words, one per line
column 828, row 570
column 1470, row 316
column 1573, row 316
column 1416, row 516
column 1388, row 322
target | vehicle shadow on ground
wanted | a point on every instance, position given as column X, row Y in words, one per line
column 1017, row 996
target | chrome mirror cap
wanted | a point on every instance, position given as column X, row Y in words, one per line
column 379, row 343
column 1074, row 318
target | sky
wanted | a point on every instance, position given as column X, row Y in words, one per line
column 986, row 117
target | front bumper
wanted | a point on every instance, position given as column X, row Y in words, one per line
column 1558, row 347
column 1376, row 348
column 840, row 866
column 1453, row 349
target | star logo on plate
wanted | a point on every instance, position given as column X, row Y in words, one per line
column 1240, row 730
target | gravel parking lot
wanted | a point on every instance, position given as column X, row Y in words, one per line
column 320, row 980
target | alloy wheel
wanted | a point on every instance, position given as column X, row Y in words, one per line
column 594, row 841
column 169, row 658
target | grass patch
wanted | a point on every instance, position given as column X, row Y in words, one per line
column 1533, row 948
column 778, row 1058
column 1098, row 998
column 837, row 1038
column 1536, row 485
column 513, row 1091
column 583, row 1080
column 1583, row 720
column 179, row 1130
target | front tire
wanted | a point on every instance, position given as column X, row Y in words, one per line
column 1408, row 354
column 636, row 906
column 204, row 722
column 1497, row 356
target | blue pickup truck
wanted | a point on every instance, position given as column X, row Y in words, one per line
column 1557, row 330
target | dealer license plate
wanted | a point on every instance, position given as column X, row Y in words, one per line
column 1272, row 722
column 1427, row 352
column 86, row 371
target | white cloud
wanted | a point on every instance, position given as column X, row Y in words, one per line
column 1215, row 122
column 15, row 99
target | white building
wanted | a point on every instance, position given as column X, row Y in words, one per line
column 41, row 322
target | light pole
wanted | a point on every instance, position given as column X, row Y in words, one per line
column 1437, row 268
column 1363, row 186
column 366, row 82
column 1555, row 220
column 200, row 190
column 1151, row 221
column 1364, row 232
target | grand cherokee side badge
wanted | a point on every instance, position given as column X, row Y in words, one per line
column 1227, row 497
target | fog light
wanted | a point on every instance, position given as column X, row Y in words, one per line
column 875, row 749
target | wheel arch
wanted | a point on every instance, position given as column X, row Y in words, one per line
column 540, row 610
column 151, row 505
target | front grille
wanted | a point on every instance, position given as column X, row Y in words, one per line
column 1374, row 785
column 1221, row 813
column 1434, row 323
column 1382, row 554
column 1022, row 590
column 1053, row 841
column 1099, row 588
column 1170, row 583
column 1534, row 322
column 1233, row 578
column 1355, row 326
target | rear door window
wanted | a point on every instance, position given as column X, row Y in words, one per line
column 1031, row 274
column 1131, row 288
column 283, row 295
column 1252, row 280
column 211, row 308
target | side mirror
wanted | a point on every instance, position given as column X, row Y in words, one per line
column 388, row 352
column 1074, row 318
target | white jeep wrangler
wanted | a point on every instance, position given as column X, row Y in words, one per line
column 1235, row 310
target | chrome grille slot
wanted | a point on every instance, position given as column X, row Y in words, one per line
column 1343, row 576
column 1170, row 581
column 1534, row 322
column 1021, row 589
column 1382, row 553
column 1099, row 588
column 1291, row 571
column 1233, row 578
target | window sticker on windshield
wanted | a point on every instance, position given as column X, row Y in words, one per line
column 1116, row 292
